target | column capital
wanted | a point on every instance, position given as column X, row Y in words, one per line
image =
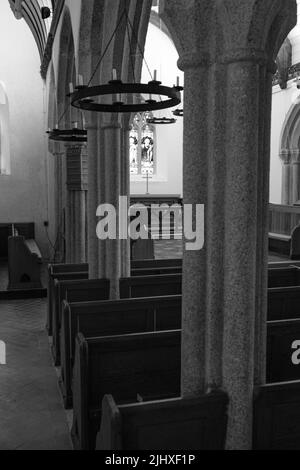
column 249, row 55
column 285, row 156
column 194, row 59
column 295, row 156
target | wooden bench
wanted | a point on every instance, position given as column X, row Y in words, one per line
column 24, row 264
column 108, row 318
column 288, row 245
column 74, row 290
column 55, row 269
column 138, row 268
column 138, row 286
column 283, row 303
column 173, row 424
column 276, row 423
column 283, row 277
column 283, row 350
column 143, row 365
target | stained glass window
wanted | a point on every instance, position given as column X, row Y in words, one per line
column 142, row 146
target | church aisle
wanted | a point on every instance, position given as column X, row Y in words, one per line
column 31, row 412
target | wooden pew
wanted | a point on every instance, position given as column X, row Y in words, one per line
column 143, row 365
column 283, row 303
column 286, row 243
column 173, row 424
column 276, row 423
column 75, row 290
column 283, row 277
column 138, row 286
column 283, row 350
column 24, row 263
column 108, row 318
column 146, row 286
column 138, row 268
column 60, row 269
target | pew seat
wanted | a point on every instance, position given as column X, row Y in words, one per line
column 108, row 318
column 143, row 365
column 173, row 424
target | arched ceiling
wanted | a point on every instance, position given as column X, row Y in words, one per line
column 30, row 10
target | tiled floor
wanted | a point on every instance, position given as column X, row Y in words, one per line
column 31, row 411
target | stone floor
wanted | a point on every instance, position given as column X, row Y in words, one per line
column 31, row 412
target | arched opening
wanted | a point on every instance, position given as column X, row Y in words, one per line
column 289, row 154
column 4, row 132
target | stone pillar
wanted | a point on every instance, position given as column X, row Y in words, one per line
column 105, row 170
column 244, row 227
column 227, row 58
column 110, row 184
column 92, row 197
column 285, row 158
column 295, row 161
column 76, row 162
column 125, row 191
column 59, row 188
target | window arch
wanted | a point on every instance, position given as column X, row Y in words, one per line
column 4, row 132
column 142, row 146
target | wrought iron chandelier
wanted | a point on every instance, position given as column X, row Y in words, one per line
column 68, row 135
column 125, row 97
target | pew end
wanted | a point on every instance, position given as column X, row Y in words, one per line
column 24, row 263
column 172, row 424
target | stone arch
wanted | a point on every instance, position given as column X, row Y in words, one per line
column 66, row 72
column 289, row 154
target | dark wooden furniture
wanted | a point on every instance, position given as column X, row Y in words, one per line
column 283, row 303
column 143, row 365
column 138, row 286
column 276, row 424
column 174, row 424
column 75, row 290
column 52, row 270
column 112, row 317
column 283, row 337
column 24, row 264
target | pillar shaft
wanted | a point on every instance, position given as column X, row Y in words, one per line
column 76, row 206
column 295, row 159
column 286, row 177
column 226, row 57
